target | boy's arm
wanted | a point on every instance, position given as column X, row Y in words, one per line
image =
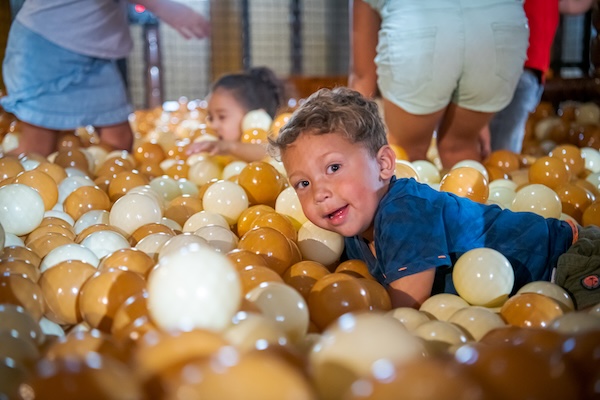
column 412, row 290
column 365, row 23
column 179, row 16
column 575, row 6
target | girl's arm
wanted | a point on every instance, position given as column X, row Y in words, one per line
column 244, row 151
column 182, row 18
column 365, row 23
column 247, row 151
column 412, row 290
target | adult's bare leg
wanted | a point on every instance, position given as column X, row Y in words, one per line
column 459, row 135
column 35, row 139
column 410, row 131
column 118, row 137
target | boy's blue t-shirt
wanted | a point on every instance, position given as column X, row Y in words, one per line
column 417, row 228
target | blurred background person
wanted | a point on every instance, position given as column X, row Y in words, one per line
column 59, row 79
column 507, row 127
column 440, row 66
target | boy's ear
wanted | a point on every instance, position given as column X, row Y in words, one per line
column 387, row 162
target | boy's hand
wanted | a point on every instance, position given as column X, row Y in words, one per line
column 182, row 18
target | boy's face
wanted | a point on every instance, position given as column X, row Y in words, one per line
column 339, row 183
column 225, row 115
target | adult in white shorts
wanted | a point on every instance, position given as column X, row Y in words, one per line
column 440, row 65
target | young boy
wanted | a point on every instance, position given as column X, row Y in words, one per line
column 337, row 158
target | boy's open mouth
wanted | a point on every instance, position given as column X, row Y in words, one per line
column 337, row 213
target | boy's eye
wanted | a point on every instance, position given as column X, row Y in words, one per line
column 301, row 184
column 333, row 168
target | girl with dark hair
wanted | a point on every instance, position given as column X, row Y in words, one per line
column 230, row 99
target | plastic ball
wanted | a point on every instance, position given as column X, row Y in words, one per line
column 283, row 305
column 318, row 244
column 466, row 182
column 409, row 317
column 134, row 210
column 549, row 171
column 262, row 183
column 61, row 286
column 539, row 199
column 476, row 321
column 287, row 203
column 551, row 290
column 442, row 306
column 104, row 292
column 226, row 198
column 483, row 277
column 21, row 209
column 194, row 289
column 256, row 119
column 341, row 355
column 530, row 310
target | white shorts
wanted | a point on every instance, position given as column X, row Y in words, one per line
column 433, row 52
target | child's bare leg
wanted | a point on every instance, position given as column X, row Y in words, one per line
column 35, row 139
column 118, row 137
column 459, row 135
column 410, row 131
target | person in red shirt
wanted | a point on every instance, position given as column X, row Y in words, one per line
column 507, row 127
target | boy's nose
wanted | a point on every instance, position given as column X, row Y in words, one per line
column 321, row 194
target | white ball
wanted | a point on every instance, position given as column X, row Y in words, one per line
column 257, row 119
column 288, row 204
column 233, row 169
column 105, row 242
column 204, row 171
column 71, row 251
column 61, row 215
column 226, row 198
column 92, row 217
column 320, row 245
column 10, row 239
column 356, row 345
column 204, row 218
column 134, row 210
column 594, row 178
column 502, row 196
column 187, row 187
column 483, row 277
column 284, row 305
column 539, row 199
column 166, row 187
column 51, row 328
column 194, row 289
column 21, row 209
column 503, row 183
column 218, row 238
column 427, row 171
column 591, row 158
column 153, row 243
column 178, row 243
